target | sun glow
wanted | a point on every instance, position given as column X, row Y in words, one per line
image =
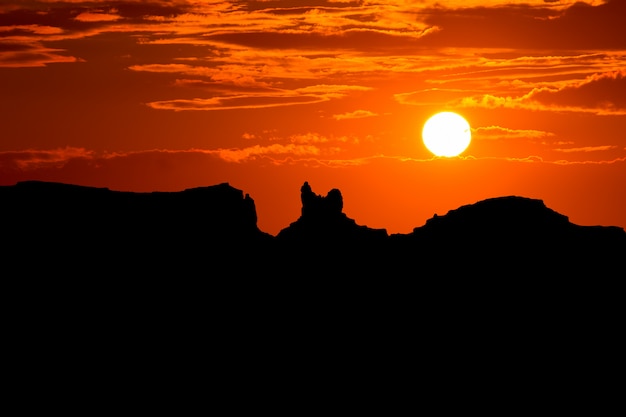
column 446, row 134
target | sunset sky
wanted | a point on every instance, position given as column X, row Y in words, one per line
column 265, row 95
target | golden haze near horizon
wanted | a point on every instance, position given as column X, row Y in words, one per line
column 169, row 95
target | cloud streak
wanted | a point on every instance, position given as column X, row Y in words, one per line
column 342, row 64
column 299, row 96
column 497, row 132
column 37, row 159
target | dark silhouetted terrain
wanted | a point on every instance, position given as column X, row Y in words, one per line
column 505, row 289
column 213, row 230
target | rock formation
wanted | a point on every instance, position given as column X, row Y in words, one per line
column 323, row 225
column 314, row 205
column 61, row 227
column 67, row 226
column 516, row 236
column 505, row 281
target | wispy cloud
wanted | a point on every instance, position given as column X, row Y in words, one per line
column 98, row 17
column 239, row 155
column 37, row 159
column 498, row 132
column 230, row 55
column 279, row 153
column 252, row 100
column 357, row 114
column 587, row 149
column 601, row 93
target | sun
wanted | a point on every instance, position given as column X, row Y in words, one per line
column 446, row 134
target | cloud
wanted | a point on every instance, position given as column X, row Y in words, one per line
column 271, row 68
column 220, row 55
column 430, row 96
column 56, row 164
column 308, row 138
column 587, row 149
column 311, row 137
column 492, row 102
column 590, row 162
column 501, row 79
column 305, row 95
column 497, row 132
column 21, row 56
column 248, row 136
column 239, row 155
column 331, row 21
column 17, row 30
column 233, row 102
column 528, row 27
column 239, row 85
column 301, row 145
column 601, row 93
column 97, row 17
column 266, row 44
column 295, row 146
column 357, row 114
column 21, row 46
column 36, row 159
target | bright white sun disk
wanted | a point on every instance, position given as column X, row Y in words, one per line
column 446, row 134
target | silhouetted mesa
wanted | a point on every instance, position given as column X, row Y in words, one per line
column 517, row 232
column 213, row 230
column 60, row 225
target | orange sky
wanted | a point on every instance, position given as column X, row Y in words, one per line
column 168, row 95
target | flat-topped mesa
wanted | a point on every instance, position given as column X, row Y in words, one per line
column 66, row 218
column 219, row 204
column 203, row 209
column 502, row 213
column 514, row 230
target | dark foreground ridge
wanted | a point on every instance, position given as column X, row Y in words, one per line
column 166, row 284
column 55, row 226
